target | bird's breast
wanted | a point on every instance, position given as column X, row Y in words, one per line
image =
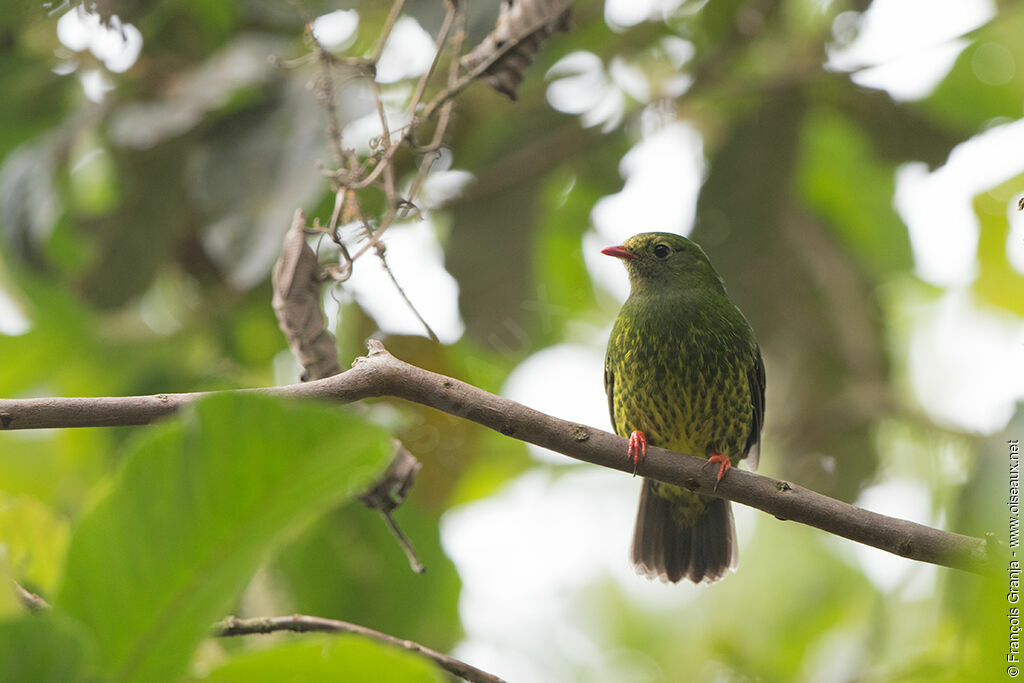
column 683, row 385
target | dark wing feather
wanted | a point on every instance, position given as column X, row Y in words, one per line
column 609, row 389
column 755, row 377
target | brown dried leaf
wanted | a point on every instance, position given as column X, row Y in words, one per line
column 517, row 36
column 296, row 301
column 389, row 492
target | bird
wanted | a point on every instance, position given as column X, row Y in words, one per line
column 683, row 371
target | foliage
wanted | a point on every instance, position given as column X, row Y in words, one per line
column 136, row 240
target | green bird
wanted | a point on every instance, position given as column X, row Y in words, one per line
column 684, row 372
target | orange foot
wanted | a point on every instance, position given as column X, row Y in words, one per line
column 724, row 465
column 637, row 448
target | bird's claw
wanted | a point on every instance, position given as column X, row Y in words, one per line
column 637, row 448
column 723, row 463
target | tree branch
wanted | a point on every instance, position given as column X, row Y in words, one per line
column 381, row 374
column 233, row 626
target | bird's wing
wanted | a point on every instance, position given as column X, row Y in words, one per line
column 609, row 389
column 755, row 377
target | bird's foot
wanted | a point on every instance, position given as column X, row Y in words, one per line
column 637, row 448
column 724, row 465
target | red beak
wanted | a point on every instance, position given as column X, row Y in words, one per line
column 618, row 252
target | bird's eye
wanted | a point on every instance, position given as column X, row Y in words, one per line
column 661, row 250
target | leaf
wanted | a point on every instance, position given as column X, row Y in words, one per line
column 327, row 658
column 526, row 24
column 847, row 185
column 43, row 648
column 986, row 80
column 33, row 540
column 998, row 282
column 191, row 515
column 335, row 567
column 247, row 175
column 300, row 315
column 226, row 81
column 29, row 202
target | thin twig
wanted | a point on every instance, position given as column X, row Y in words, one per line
column 403, row 542
column 442, row 38
column 325, row 91
column 300, row 623
column 405, row 297
column 381, row 374
column 389, row 169
column 444, row 119
column 31, row 601
column 385, row 32
column 460, row 84
column 350, row 176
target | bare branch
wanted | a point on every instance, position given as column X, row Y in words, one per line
column 325, row 93
column 442, row 38
column 385, row 32
column 233, row 626
column 381, row 374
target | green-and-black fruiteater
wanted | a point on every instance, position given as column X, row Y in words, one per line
column 683, row 372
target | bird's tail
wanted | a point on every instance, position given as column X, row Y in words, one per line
column 702, row 551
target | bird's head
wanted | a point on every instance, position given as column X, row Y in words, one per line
column 664, row 259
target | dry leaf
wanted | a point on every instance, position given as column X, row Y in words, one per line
column 296, row 302
column 517, row 36
column 389, row 492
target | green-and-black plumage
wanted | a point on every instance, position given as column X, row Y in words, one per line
column 683, row 368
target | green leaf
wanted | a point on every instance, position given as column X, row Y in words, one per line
column 998, row 282
column 986, row 81
column 33, row 540
column 332, row 568
column 843, row 181
column 42, row 648
column 197, row 505
column 327, row 658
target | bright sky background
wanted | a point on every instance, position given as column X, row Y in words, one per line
column 527, row 552
column 907, row 47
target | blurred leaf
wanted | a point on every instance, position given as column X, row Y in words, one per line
column 44, row 648
column 33, row 541
column 197, row 505
column 492, row 222
column 133, row 240
column 897, row 131
column 42, row 96
column 248, row 174
column 987, row 79
column 842, row 180
column 800, row 596
column 998, row 282
column 787, row 272
column 59, row 322
column 29, row 203
column 234, row 76
column 92, row 177
column 563, row 290
column 349, row 566
column 327, row 658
